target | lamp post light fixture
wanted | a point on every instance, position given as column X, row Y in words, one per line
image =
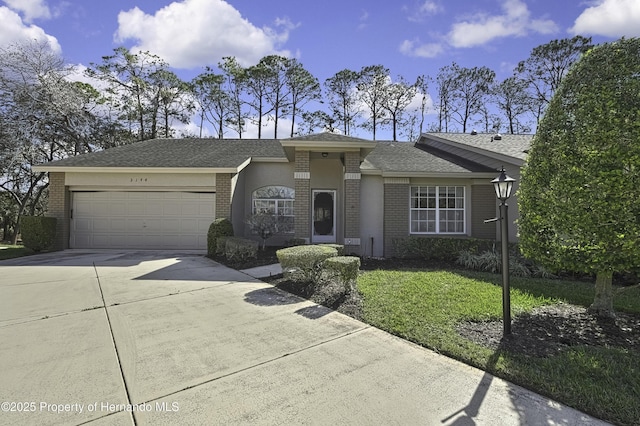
column 503, row 185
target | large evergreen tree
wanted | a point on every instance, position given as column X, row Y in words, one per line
column 580, row 191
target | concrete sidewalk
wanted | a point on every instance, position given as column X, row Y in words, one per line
column 113, row 338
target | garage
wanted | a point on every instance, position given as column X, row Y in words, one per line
column 141, row 220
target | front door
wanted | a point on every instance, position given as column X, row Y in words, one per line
column 324, row 216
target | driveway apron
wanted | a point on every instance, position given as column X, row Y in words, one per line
column 157, row 337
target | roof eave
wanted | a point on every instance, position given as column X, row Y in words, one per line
column 95, row 169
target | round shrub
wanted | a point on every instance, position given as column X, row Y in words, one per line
column 221, row 227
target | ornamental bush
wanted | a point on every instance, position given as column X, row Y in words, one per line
column 221, row 244
column 238, row 249
column 38, row 232
column 345, row 268
column 220, row 227
column 304, row 263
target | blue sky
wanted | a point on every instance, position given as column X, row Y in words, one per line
column 410, row 37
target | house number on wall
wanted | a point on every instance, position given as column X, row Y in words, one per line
column 138, row 180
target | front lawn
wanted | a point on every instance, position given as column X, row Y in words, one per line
column 556, row 348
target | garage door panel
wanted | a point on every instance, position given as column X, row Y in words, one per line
column 151, row 220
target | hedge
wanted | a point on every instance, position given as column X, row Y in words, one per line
column 345, row 268
column 238, row 249
column 439, row 248
column 304, row 263
column 38, row 232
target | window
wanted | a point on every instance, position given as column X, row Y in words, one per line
column 437, row 210
column 277, row 201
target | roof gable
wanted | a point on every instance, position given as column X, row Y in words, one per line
column 508, row 146
column 405, row 158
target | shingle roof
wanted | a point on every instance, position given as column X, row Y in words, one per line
column 327, row 137
column 177, row 153
column 512, row 145
column 405, row 157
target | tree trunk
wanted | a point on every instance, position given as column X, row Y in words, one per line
column 603, row 301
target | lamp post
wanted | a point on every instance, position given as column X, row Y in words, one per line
column 503, row 185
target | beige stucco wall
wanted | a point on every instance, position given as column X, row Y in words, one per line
column 372, row 216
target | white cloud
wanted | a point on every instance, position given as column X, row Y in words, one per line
column 193, row 33
column 483, row 28
column 421, row 50
column 31, row 9
column 423, row 9
column 364, row 19
column 13, row 30
column 611, row 18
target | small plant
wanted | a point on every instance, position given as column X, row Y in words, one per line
column 38, row 232
column 304, row 263
column 221, row 227
column 265, row 225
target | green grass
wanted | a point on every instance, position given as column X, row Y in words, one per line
column 14, row 251
column 425, row 306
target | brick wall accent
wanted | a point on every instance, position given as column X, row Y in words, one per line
column 59, row 207
column 223, row 195
column 483, row 206
column 352, row 199
column 396, row 214
column 302, row 203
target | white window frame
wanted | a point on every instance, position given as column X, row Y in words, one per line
column 437, row 209
column 280, row 204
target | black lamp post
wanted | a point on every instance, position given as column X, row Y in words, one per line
column 503, row 185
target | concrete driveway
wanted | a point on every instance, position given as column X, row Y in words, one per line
column 152, row 338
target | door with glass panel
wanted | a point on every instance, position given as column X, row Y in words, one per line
column 324, row 216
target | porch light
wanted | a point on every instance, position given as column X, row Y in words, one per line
column 503, row 185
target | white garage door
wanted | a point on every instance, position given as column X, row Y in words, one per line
column 141, row 220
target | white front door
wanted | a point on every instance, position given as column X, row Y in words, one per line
column 324, row 216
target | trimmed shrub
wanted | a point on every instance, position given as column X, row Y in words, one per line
column 304, row 263
column 238, row 249
column 345, row 268
column 221, row 244
column 38, row 232
column 220, row 227
column 439, row 248
column 339, row 248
